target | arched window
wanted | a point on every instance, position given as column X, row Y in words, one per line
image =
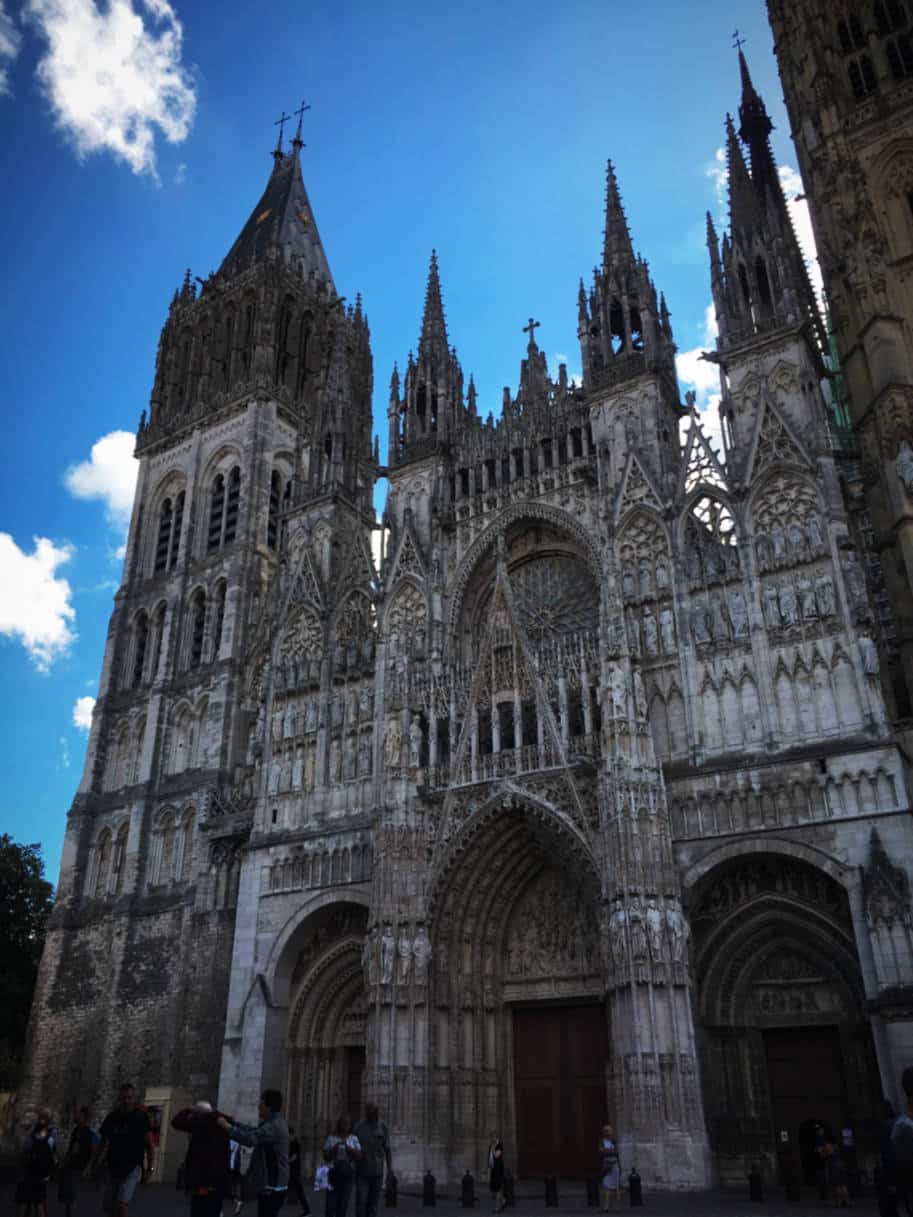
column 166, row 856
column 187, row 848
column 764, row 295
column 304, row 337
column 272, row 525
column 862, row 77
column 900, row 56
column 119, row 860
column 232, row 505
column 158, row 635
column 247, row 337
column 166, row 515
column 219, row 620
column 216, row 512
column 140, row 641
column 197, row 627
column 176, row 526
column 102, row 865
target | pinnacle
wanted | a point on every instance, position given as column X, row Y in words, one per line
column 617, row 246
column 434, row 327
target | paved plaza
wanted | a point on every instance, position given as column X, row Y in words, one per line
column 163, row 1201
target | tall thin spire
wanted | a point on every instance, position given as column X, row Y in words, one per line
column 617, row 245
column 434, row 327
column 755, row 128
column 741, row 192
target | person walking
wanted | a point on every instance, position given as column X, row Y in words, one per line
column 375, row 1155
column 207, row 1167
column 496, row 1172
column 295, row 1186
column 76, row 1160
column 610, row 1169
column 126, row 1142
column 342, row 1152
column 268, row 1172
column 39, row 1161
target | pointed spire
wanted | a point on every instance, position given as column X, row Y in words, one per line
column 434, row 328
column 753, row 115
column 617, row 245
column 741, row 193
column 394, row 385
column 471, row 396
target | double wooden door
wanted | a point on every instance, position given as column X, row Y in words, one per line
column 560, row 1089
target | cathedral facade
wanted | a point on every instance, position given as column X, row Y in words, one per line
column 582, row 803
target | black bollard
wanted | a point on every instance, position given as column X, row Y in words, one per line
column 510, row 1198
column 755, row 1187
column 468, row 1190
column 391, row 1191
column 635, row 1189
column 592, row 1192
column 428, row 1194
column 551, row 1192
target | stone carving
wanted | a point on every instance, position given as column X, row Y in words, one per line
column 789, row 609
column 393, row 742
column 808, row 605
column 387, row 954
column 303, row 637
column 421, row 951
column 404, row 952
column 903, row 466
column 738, row 613
column 886, row 888
column 618, row 941
column 618, row 692
column 554, row 596
column 679, row 934
column 654, row 924
column 651, row 637
column 369, row 956
column 824, row 596
column 640, row 695
column 638, row 931
column 868, row 652
column 406, row 618
column 667, row 629
column 415, row 743
column 633, row 637
column 700, row 627
column 552, row 931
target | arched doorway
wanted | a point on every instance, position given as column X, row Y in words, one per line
column 781, row 1015
column 518, row 1039
column 327, row 1023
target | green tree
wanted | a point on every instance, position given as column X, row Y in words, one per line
column 25, row 902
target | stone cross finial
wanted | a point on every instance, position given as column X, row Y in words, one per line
column 530, row 329
column 280, row 123
column 299, row 114
column 737, row 42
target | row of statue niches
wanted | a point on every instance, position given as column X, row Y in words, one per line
column 790, row 544
column 799, row 602
column 399, row 957
column 652, row 633
column 648, row 933
column 303, row 718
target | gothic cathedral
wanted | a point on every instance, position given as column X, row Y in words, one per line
column 586, row 800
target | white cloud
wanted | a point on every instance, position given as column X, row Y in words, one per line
column 574, row 376
column 35, row 606
column 802, row 223
column 82, row 712
column 10, row 44
column 718, row 172
column 114, row 77
column 109, row 475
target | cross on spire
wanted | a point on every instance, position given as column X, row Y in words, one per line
column 531, row 329
column 280, row 123
column 298, row 113
column 737, row 41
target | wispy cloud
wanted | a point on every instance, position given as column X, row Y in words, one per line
column 574, row 375
column 114, row 76
column 82, row 712
column 35, row 607
column 702, row 377
column 10, row 45
column 109, row 475
column 718, row 172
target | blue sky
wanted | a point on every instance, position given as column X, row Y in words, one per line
column 135, row 141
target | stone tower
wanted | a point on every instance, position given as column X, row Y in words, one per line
column 581, row 804
column 846, row 72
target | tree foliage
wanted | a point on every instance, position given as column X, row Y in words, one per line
column 25, row 902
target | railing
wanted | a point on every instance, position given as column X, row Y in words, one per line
column 509, row 762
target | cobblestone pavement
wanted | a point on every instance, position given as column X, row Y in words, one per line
column 162, row 1201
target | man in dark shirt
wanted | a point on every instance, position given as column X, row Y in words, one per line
column 369, row 1170
column 78, row 1157
column 126, row 1139
column 208, row 1174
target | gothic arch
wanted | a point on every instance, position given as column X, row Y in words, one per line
column 277, row 972
column 645, row 517
column 554, row 517
column 782, row 846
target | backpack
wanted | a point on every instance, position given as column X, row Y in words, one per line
column 40, row 1163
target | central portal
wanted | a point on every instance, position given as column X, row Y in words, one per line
column 560, row 1088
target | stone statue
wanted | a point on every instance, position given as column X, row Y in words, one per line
column 364, row 754
column 638, row 930
column 738, row 613
column 349, row 759
column 679, row 934
column 654, row 920
column 387, row 954
column 627, row 583
column 667, row 630
column 772, row 606
column 807, row 603
column 618, row 692
column 370, row 956
column 651, row 637
column 719, row 623
column 855, row 580
column 310, row 717
column 824, row 596
column 617, row 927
column 788, row 605
column 815, row 537
column 633, row 637
column 415, row 742
column 336, row 712
column 797, row 541
column 393, row 742
column 869, row 654
column 404, row 951
column 903, row 466
column 699, row 628
column 640, row 695
column 662, row 575
column 421, row 951
column 778, row 541
column 646, row 579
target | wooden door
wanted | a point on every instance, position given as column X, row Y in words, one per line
column 807, row 1086
column 355, row 1069
column 559, row 1076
